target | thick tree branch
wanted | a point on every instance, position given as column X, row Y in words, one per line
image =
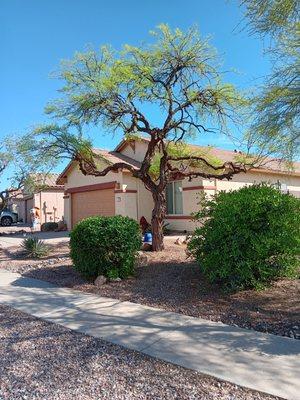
column 227, row 174
column 226, row 165
column 89, row 167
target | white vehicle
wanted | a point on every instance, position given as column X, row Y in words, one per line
column 7, row 218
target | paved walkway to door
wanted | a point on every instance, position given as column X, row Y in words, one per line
column 255, row 360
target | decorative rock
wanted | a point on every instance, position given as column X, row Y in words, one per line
column 141, row 259
column 147, row 247
column 116, row 280
column 100, row 280
column 178, row 241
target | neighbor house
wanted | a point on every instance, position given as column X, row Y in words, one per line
column 45, row 194
column 121, row 193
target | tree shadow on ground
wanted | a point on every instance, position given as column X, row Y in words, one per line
column 181, row 288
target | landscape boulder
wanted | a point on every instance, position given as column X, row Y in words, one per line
column 179, row 241
column 100, row 280
column 141, row 259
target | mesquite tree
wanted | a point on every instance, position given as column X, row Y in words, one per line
column 175, row 78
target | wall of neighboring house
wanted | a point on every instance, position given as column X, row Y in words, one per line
column 28, row 203
column 17, row 205
column 51, row 204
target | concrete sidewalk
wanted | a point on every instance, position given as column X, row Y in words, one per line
column 255, row 360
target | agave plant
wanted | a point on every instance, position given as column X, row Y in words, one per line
column 34, row 247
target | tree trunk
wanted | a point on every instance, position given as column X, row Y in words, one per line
column 158, row 215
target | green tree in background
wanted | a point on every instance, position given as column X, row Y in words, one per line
column 19, row 161
column 277, row 106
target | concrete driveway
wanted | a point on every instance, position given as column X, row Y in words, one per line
column 49, row 237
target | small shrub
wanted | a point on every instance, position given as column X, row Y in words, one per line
column 105, row 246
column 248, row 237
column 49, row 226
column 35, row 248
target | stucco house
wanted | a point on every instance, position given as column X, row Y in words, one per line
column 48, row 197
column 121, row 193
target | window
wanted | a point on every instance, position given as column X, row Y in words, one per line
column 174, row 198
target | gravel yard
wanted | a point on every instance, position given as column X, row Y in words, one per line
column 172, row 282
column 40, row 360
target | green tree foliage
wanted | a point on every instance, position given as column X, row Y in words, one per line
column 277, row 105
column 249, row 237
column 178, row 74
column 105, row 246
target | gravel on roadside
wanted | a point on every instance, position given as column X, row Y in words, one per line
column 41, row 360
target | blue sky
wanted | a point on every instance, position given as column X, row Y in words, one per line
column 35, row 35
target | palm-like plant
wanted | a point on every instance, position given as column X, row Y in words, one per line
column 34, row 247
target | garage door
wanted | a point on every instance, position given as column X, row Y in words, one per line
column 96, row 202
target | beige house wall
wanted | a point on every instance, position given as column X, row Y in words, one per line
column 191, row 198
column 75, row 179
column 134, row 200
column 137, row 150
column 145, row 202
column 242, row 179
column 141, row 200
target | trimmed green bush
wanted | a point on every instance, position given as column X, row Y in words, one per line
column 248, row 237
column 49, row 226
column 35, row 248
column 105, row 246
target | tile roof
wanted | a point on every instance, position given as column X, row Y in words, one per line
column 48, row 180
column 270, row 164
column 114, row 157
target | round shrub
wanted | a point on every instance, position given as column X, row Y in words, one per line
column 49, row 226
column 248, row 237
column 105, row 246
